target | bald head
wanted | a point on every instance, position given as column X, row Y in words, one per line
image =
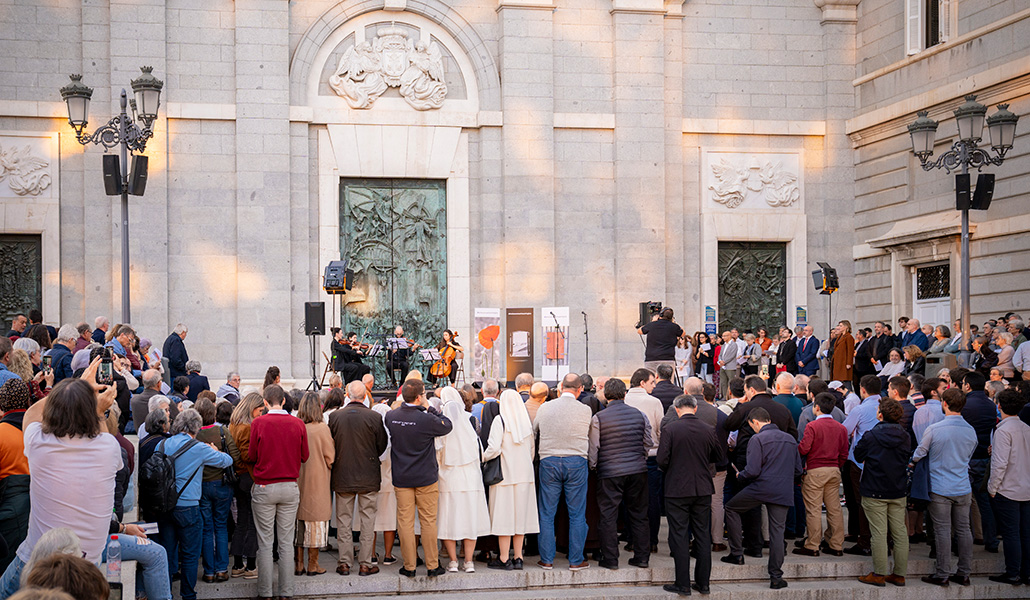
column 356, row 391
column 784, row 383
column 693, row 386
column 572, row 384
column 539, row 391
column 801, row 385
column 368, row 381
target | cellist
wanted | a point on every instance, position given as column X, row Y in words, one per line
column 450, row 351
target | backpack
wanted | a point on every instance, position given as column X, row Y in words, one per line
column 157, row 491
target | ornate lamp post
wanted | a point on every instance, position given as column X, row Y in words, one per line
column 964, row 154
column 120, row 131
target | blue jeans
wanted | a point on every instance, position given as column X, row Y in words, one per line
column 979, row 469
column 187, row 531
column 11, row 581
column 568, row 473
column 153, row 559
column 215, row 503
column 1014, row 522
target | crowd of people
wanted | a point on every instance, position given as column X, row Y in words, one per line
column 740, row 446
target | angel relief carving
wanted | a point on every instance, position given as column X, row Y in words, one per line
column 27, row 175
column 391, row 60
column 768, row 180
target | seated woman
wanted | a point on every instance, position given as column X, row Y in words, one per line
column 915, row 361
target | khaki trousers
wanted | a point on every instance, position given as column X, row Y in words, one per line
column 822, row 486
column 725, row 375
column 425, row 500
column 718, row 520
column 366, row 520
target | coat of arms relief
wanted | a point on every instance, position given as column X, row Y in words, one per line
column 735, row 181
column 25, row 173
column 368, row 69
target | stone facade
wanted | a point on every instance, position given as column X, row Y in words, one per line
column 582, row 142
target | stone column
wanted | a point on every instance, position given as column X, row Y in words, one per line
column 527, row 98
column 640, row 166
column 262, row 217
column 681, row 268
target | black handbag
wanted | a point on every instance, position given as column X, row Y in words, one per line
column 492, row 474
column 229, row 475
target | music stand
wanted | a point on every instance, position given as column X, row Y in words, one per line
column 374, row 350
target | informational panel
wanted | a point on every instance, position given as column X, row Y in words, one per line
column 554, row 331
column 801, row 315
column 486, row 347
column 710, row 322
column 519, row 347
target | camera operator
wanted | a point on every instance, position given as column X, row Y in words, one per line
column 662, row 333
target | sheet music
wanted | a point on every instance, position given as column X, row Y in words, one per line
column 396, row 343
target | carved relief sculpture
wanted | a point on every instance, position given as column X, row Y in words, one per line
column 734, row 183
column 391, row 60
column 27, row 175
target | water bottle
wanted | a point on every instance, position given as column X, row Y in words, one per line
column 114, row 559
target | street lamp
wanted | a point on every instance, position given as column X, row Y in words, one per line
column 964, row 154
column 120, row 131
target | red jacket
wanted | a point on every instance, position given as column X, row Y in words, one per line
column 825, row 444
column 278, row 444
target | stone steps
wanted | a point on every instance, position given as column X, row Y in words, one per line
column 823, row 578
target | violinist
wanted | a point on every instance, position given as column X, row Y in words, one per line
column 399, row 360
column 450, row 353
column 347, row 353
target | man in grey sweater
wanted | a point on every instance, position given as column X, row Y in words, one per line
column 728, row 367
column 563, row 427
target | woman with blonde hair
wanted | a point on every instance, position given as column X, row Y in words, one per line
column 39, row 384
column 462, row 513
column 915, row 361
column 244, row 537
column 316, row 504
column 1005, row 354
column 513, row 508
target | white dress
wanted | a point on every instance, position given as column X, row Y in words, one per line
column 462, row 513
column 513, row 509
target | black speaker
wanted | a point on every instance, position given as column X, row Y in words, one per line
column 138, row 176
column 962, row 191
column 314, row 318
column 984, row 191
column 112, row 175
column 338, row 278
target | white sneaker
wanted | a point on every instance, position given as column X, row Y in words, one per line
column 452, row 567
column 470, row 567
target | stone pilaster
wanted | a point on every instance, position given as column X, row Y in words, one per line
column 262, row 215
column 681, row 268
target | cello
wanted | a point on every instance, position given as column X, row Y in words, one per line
column 442, row 368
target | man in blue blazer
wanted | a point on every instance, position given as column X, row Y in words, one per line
column 914, row 336
column 808, row 347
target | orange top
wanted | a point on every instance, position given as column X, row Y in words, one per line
column 12, row 451
column 765, row 344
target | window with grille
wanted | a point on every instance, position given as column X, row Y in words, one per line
column 933, row 282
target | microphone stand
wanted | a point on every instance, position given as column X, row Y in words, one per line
column 586, row 336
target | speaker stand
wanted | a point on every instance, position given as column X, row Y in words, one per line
column 314, row 385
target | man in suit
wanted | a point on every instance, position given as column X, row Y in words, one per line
column 687, row 454
column 787, row 351
column 807, row 353
column 728, row 367
column 665, row 390
column 175, row 351
column 883, row 342
column 773, row 464
column 863, row 356
column 914, row 336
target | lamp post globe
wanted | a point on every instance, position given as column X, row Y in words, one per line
column 147, row 91
column 970, row 119
column 77, row 95
column 1002, row 127
column 924, row 132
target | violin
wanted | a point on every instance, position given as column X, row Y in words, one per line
column 358, row 346
column 443, row 367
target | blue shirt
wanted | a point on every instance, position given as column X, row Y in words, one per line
column 115, row 347
column 949, row 445
column 861, row 419
column 192, row 461
column 929, row 413
column 5, row 374
column 477, row 409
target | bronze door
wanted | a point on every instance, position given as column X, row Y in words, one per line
column 752, row 285
column 21, row 276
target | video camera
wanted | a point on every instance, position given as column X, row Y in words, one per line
column 648, row 310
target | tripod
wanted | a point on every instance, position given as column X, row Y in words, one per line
column 315, row 385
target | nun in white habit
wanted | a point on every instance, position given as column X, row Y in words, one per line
column 462, row 513
column 513, row 510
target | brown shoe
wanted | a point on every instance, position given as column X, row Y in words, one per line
column 343, row 569
column 897, row 580
column 719, row 548
column 220, row 577
column 313, row 568
column 208, row 578
column 873, row 579
column 805, row 552
column 365, row 571
column 298, row 561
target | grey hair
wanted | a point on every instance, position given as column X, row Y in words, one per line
column 100, row 322
column 231, row 375
column 694, row 386
column 193, row 366
column 156, row 422
column 491, row 388
column 523, row 380
column 29, row 345
column 685, row 401
column 82, row 327
column 155, row 402
column 788, row 380
column 356, row 391
column 993, row 387
column 60, row 540
column 1014, row 322
column 151, row 379
column 67, row 333
column 188, row 421
column 180, row 329
column 798, row 330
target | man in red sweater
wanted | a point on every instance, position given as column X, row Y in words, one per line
column 825, row 446
column 278, row 444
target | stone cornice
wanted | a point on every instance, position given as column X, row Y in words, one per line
column 838, row 11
